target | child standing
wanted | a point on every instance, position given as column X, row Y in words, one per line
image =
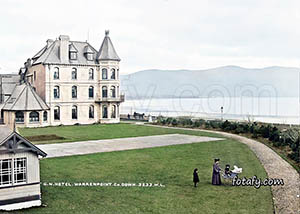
column 195, row 177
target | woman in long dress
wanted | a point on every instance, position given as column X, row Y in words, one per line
column 216, row 178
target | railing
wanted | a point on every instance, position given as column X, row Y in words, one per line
column 121, row 98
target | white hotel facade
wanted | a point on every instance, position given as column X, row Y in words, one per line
column 77, row 83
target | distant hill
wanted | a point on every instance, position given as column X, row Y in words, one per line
column 225, row 81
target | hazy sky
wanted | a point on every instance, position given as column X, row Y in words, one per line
column 162, row 34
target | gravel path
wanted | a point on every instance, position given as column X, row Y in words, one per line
column 120, row 144
column 286, row 198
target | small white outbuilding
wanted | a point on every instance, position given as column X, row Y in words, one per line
column 19, row 171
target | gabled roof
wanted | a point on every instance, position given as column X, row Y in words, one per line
column 107, row 50
column 72, row 48
column 14, row 143
column 88, row 49
column 24, row 98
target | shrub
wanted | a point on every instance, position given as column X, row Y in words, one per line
column 225, row 125
column 295, row 155
column 174, row 122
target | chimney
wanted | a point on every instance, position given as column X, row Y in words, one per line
column 64, row 48
column 49, row 42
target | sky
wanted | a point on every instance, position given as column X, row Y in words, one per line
column 158, row 34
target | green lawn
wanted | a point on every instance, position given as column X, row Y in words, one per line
column 100, row 131
column 171, row 166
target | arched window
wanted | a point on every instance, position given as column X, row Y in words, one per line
column 45, row 116
column 113, row 91
column 19, row 117
column 91, row 112
column 74, row 112
column 91, row 92
column 104, row 74
column 56, row 113
column 74, row 91
column 113, row 74
column 56, row 73
column 34, row 116
column 113, row 111
column 74, row 74
column 104, row 91
column 56, row 92
column 91, row 74
column 104, row 111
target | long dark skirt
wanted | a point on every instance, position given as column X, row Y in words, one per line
column 216, row 178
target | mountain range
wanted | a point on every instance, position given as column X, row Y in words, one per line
column 227, row 81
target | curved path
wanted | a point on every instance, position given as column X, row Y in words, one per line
column 286, row 198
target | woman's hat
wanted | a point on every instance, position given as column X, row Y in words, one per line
column 217, row 159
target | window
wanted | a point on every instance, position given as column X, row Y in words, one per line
column 56, row 113
column 73, row 55
column 74, row 74
column 74, row 92
column 19, row 117
column 56, row 73
column 104, row 91
column 104, row 112
column 91, row 92
column 33, row 116
column 91, row 74
column 74, row 112
column 45, row 116
column 91, row 112
column 113, row 111
column 34, row 75
column 104, row 74
column 20, row 170
column 90, row 56
column 56, row 92
column 113, row 74
column 5, row 172
column 113, row 91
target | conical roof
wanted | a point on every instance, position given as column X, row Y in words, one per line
column 24, row 98
column 107, row 50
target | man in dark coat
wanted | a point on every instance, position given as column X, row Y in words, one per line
column 216, row 178
column 195, row 177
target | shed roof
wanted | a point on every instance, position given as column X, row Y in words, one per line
column 9, row 82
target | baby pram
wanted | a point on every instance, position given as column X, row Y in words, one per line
column 230, row 174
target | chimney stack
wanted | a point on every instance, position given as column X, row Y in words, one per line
column 64, row 48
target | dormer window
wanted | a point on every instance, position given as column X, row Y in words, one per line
column 72, row 52
column 89, row 53
column 73, row 55
column 90, row 56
